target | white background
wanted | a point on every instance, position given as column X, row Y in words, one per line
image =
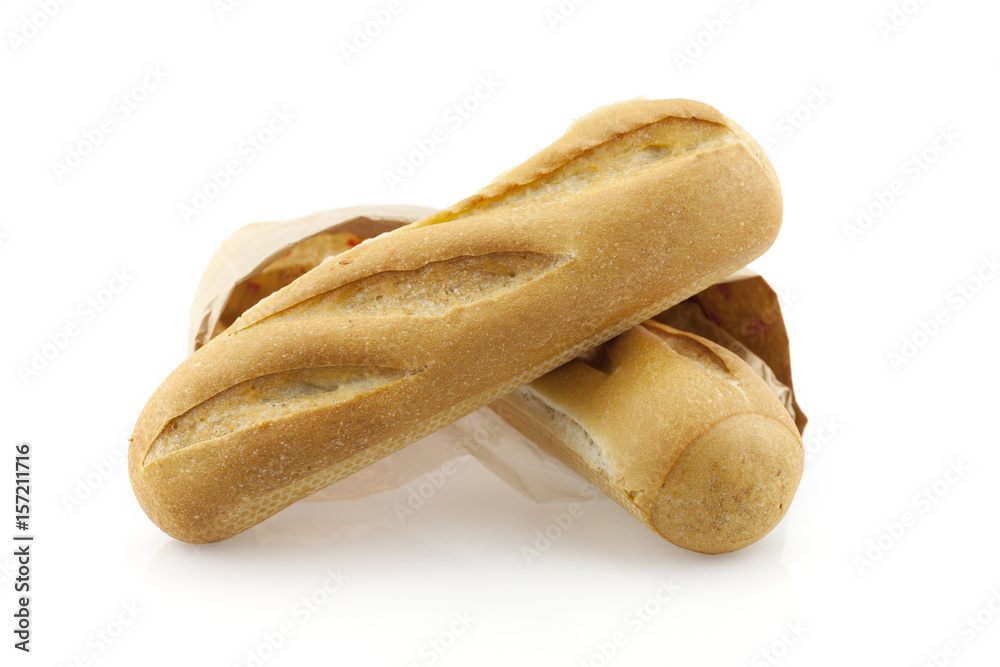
column 880, row 432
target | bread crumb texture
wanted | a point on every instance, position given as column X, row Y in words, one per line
column 267, row 399
column 433, row 289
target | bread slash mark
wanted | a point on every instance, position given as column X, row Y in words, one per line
column 432, row 289
column 268, row 398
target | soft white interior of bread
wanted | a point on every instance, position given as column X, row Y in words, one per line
column 265, row 399
column 568, row 429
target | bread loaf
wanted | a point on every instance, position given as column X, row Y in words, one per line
column 629, row 428
column 638, row 206
column 678, row 430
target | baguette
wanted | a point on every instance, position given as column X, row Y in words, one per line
column 676, row 429
column 628, row 428
column 638, row 206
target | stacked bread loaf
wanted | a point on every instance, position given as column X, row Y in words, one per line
column 639, row 206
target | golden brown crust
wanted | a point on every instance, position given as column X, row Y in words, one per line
column 690, row 440
column 250, row 249
column 731, row 486
column 294, row 263
column 597, row 128
column 750, row 311
column 620, row 248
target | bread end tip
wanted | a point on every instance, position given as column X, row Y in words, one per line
column 731, row 487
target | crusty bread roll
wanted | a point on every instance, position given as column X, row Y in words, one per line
column 638, row 206
column 678, row 430
column 631, row 428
